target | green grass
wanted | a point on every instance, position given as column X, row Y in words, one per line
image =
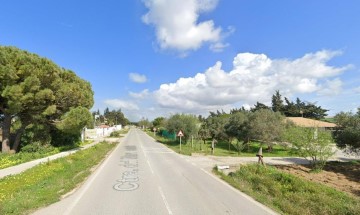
column 222, row 148
column 46, row 183
column 289, row 194
column 8, row 160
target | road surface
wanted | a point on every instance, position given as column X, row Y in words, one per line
column 142, row 176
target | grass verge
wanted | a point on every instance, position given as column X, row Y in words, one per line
column 46, row 183
column 8, row 160
column 289, row 194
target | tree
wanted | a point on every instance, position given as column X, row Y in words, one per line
column 216, row 125
column 35, row 91
column 347, row 133
column 238, row 128
column 266, row 126
column 311, row 143
column 259, row 106
column 144, row 123
column 303, row 109
column 187, row 123
column 203, row 133
column 159, row 122
column 115, row 117
column 277, row 102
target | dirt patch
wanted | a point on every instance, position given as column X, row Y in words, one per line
column 339, row 175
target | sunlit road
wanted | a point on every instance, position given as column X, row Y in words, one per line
column 144, row 177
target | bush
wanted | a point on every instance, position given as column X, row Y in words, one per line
column 115, row 134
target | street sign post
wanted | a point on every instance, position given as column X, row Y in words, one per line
column 180, row 134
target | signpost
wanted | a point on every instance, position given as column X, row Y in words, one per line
column 180, row 134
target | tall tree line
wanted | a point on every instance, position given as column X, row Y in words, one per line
column 289, row 108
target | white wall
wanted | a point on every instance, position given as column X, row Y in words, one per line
column 101, row 132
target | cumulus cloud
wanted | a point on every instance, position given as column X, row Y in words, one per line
column 118, row 103
column 137, row 78
column 254, row 77
column 177, row 26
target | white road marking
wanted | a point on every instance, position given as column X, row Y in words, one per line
column 151, row 169
column 165, row 201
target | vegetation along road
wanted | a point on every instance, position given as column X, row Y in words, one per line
column 142, row 176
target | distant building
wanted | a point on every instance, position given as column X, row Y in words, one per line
column 311, row 123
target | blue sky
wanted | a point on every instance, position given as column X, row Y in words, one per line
column 158, row 57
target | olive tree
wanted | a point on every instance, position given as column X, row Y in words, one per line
column 266, row 126
column 313, row 144
column 187, row 123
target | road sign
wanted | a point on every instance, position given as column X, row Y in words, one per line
column 180, row 134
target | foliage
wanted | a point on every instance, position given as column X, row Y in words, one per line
column 216, row 123
column 259, row 106
column 115, row 134
column 311, row 143
column 303, row 109
column 159, row 122
column 46, row 183
column 238, row 126
column 266, row 126
column 35, row 91
column 277, row 102
column 348, row 130
column 115, row 117
column 289, row 194
column 75, row 120
column 187, row 123
column 144, row 123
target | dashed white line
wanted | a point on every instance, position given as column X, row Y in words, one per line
column 165, row 201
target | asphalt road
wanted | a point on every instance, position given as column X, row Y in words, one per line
column 142, row 176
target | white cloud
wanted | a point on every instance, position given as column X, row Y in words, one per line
column 254, row 77
column 357, row 90
column 143, row 94
column 137, row 78
column 331, row 87
column 218, row 47
column 177, row 26
column 126, row 105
